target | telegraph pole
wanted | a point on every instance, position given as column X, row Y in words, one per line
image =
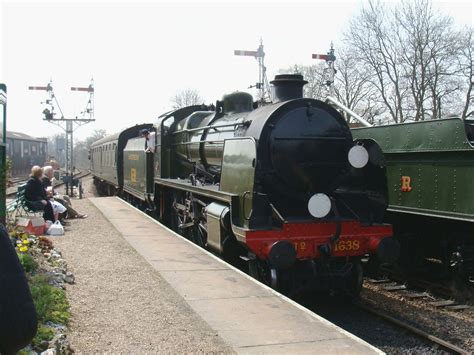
column 262, row 84
column 67, row 124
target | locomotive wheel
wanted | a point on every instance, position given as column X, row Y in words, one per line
column 260, row 271
column 175, row 218
column 280, row 280
column 184, row 222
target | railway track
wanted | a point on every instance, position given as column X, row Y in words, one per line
column 11, row 191
column 446, row 345
column 460, row 292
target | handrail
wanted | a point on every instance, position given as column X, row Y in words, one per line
column 346, row 109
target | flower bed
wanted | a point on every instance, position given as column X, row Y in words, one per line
column 47, row 273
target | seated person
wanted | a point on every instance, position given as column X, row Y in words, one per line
column 64, row 200
column 35, row 195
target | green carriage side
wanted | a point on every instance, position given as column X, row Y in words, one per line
column 137, row 169
column 107, row 159
column 430, row 166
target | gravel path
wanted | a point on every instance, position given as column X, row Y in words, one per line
column 119, row 303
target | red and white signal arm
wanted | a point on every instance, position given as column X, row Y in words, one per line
column 320, row 56
column 246, row 53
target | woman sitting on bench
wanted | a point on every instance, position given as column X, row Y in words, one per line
column 35, row 195
column 47, row 181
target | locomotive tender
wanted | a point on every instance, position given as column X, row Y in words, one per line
column 282, row 187
column 430, row 169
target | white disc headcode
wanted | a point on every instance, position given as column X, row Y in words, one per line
column 358, row 156
column 319, row 205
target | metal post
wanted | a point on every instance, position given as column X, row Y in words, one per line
column 262, row 84
column 67, row 124
column 69, row 152
column 330, row 71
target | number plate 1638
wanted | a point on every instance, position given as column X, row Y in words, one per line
column 347, row 245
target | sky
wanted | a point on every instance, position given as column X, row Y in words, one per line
column 140, row 54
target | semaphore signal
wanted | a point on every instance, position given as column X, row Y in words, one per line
column 330, row 71
column 67, row 124
column 262, row 84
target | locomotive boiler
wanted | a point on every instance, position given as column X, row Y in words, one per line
column 283, row 187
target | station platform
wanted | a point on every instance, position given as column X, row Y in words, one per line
column 249, row 317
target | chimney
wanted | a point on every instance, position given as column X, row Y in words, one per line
column 288, row 87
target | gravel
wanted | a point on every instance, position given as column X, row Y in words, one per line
column 118, row 302
column 455, row 327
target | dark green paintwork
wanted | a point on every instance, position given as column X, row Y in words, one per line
column 439, row 159
column 104, row 159
column 190, row 139
column 238, row 174
column 134, row 167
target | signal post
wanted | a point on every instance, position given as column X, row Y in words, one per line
column 69, row 125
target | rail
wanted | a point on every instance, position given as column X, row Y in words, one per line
column 443, row 343
column 78, row 175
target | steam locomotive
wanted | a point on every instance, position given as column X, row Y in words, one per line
column 282, row 188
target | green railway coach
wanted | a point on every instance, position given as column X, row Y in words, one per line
column 430, row 172
column 110, row 163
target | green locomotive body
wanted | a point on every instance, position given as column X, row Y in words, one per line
column 430, row 170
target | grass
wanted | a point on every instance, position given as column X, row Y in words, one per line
column 50, row 302
column 43, row 334
column 28, row 262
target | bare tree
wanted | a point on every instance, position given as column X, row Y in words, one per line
column 352, row 85
column 186, row 97
column 371, row 35
column 314, row 75
column 466, row 64
column 429, row 54
column 411, row 53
